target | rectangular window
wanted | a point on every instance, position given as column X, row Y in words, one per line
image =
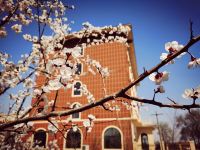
column 78, row 69
column 75, row 115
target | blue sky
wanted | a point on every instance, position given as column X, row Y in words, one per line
column 154, row 22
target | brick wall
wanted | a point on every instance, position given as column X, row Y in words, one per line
column 113, row 56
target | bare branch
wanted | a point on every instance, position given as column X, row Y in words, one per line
column 7, row 88
column 10, row 15
column 56, row 128
column 156, row 103
column 120, row 93
column 22, row 103
column 104, row 107
column 171, row 100
column 54, row 104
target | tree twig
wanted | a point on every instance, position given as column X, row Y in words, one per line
column 22, row 103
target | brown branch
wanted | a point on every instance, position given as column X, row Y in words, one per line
column 44, row 26
column 42, row 71
column 57, row 128
column 10, row 108
column 156, row 103
column 56, row 114
column 54, row 104
column 120, row 93
column 3, row 22
column 15, row 131
column 154, row 95
column 171, row 100
column 22, row 103
column 34, row 105
column 7, row 88
column 104, row 107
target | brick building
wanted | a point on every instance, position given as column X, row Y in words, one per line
column 112, row 130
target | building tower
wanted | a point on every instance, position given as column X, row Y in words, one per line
column 117, row 125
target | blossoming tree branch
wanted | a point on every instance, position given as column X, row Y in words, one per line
column 56, row 63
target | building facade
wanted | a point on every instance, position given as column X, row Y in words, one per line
column 119, row 128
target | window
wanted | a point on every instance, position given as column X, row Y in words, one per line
column 39, row 138
column 82, row 51
column 77, row 89
column 75, row 115
column 73, row 139
column 112, row 139
column 144, row 141
column 78, row 69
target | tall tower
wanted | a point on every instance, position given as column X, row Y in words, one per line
column 117, row 125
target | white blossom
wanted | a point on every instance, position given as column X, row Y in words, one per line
column 37, row 92
column 104, row 72
column 30, row 124
column 66, row 73
column 3, row 32
column 159, row 77
column 53, row 145
column 27, row 37
column 86, row 123
column 164, row 56
column 46, row 89
column 161, row 89
column 91, row 117
column 91, row 70
column 54, row 85
column 28, row 83
column 76, row 52
column 89, row 129
column 74, row 128
column 90, row 97
column 35, row 39
column 123, row 29
column 87, row 25
column 86, row 92
column 58, row 61
column 53, row 128
column 17, row 28
column 191, row 93
column 19, row 125
column 50, row 103
column 173, row 46
column 195, row 62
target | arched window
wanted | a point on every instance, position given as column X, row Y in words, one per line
column 112, row 139
column 39, row 138
column 76, row 115
column 77, row 89
column 73, row 139
column 144, row 141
